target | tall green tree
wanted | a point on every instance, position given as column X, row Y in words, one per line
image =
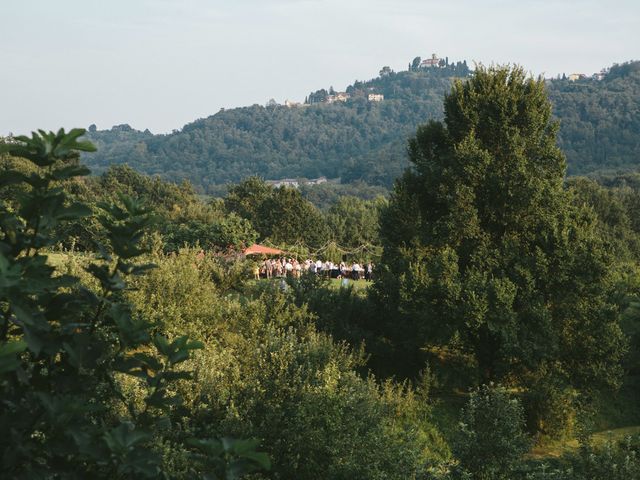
column 281, row 215
column 484, row 252
column 354, row 222
column 245, row 199
column 288, row 218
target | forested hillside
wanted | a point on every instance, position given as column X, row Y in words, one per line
column 600, row 120
column 364, row 140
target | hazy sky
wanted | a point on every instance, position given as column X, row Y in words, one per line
column 159, row 64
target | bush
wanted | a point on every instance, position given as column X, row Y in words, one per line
column 492, row 436
column 551, row 409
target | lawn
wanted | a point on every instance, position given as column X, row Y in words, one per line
column 358, row 285
column 334, row 283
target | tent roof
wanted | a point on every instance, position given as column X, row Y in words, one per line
column 256, row 249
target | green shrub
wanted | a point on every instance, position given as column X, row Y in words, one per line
column 492, row 436
column 551, row 408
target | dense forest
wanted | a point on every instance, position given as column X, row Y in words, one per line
column 499, row 338
column 363, row 141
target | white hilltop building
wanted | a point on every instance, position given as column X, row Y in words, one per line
column 338, row 97
column 434, row 61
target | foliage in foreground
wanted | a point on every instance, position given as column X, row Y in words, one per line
column 266, row 372
column 86, row 390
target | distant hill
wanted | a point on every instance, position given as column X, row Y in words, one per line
column 360, row 139
column 600, row 120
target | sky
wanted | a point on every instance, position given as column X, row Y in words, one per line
column 160, row 64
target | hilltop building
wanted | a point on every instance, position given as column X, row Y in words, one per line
column 292, row 104
column 316, row 181
column 434, row 61
column 576, row 76
column 338, row 97
column 375, row 97
column 600, row 75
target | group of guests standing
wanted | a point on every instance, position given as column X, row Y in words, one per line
column 291, row 267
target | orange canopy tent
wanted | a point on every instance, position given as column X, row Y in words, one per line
column 256, row 249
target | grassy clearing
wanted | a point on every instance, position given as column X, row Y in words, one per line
column 358, row 285
column 548, row 449
column 617, row 418
column 614, row 435
column 334, row 283
column 446, row 414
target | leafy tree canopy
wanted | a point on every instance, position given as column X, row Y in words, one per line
column 484, row 252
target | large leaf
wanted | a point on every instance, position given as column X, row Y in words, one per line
column 9, row 355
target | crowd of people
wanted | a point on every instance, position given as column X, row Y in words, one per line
column 291, row 267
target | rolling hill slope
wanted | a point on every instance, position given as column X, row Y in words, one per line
column 362, row 140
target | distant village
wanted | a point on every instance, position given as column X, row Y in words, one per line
column 371, row 95
column 331, row 96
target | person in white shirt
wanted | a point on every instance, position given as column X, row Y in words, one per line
column 288, row 267
column 368, row 272
column 355, row 271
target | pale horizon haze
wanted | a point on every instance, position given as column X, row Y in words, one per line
column 160, row 64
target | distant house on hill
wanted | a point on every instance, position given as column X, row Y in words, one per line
column 291, row 104
column 375, row 97
column 284, row 182
column 316, row 181
column 338, row 97
column 576, row 76
column 434, row 61
column 295, row 183
column 600, row 75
